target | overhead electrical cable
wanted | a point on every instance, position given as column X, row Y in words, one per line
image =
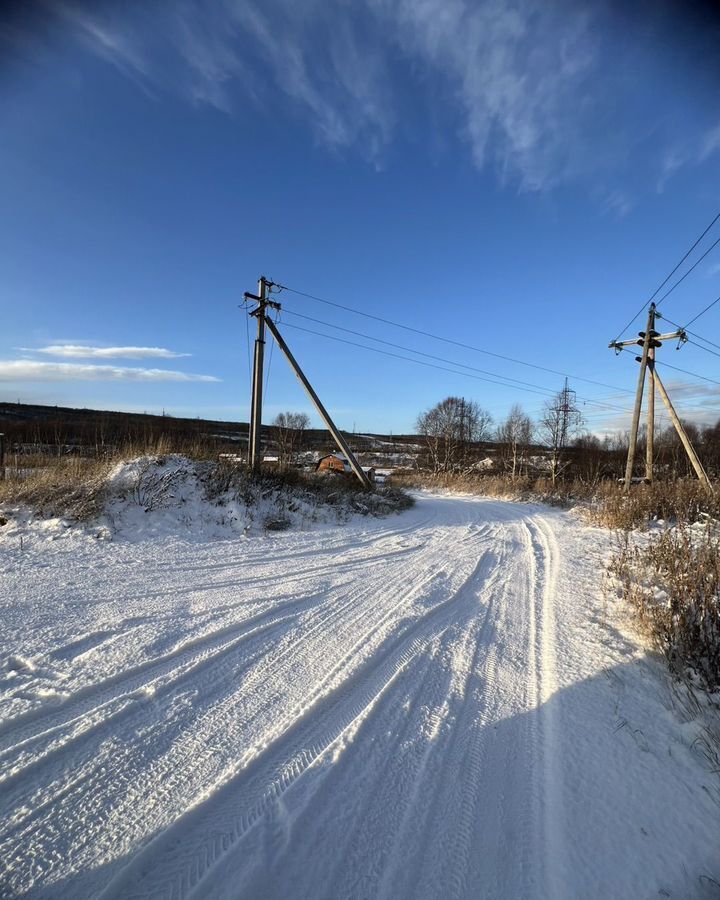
column 272, row 347
column 694, row 334
column 678, row 369
column 418, row 362
column 703, row 311
column 455, row 343
column 247, row 336
column 452, row 362
column 549, row 391
column 706, row 349
column 533, row 390
column 703, row 339
column 668, row 277
column 693, row 266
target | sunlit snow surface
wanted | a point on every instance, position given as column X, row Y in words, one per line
column 436, row 704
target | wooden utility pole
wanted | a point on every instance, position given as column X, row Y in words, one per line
column 254, row 443
column 324, row 415
column 647, row 337
column 650, row 436
column 255, row 452
column 682, row 434
column 650, row 340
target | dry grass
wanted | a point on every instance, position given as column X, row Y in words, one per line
column 672, row 582
column 75, row 487
column 683, row 502
column 63, row 486
column 606, row 502
column 532, row 489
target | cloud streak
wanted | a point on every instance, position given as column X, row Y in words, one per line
column 533, row 88
column 695, row 402
column 34, row 370
column 80, row 351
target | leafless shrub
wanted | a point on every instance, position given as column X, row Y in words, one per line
column 681, row 501
column 66, row 486
column 523, row 487
column 672, row 582
column 76, row 487
column 151, row 488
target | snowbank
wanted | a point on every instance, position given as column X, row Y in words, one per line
column 152, row 496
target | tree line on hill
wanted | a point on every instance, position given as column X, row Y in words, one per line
column 456, row 435
column 460, row 436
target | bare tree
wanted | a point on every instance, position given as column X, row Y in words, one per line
column 450, row 428
column 288, row 431
column 592, row 457
column 514, row 436
column 560, row 421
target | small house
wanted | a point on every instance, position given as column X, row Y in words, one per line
column 335, row 463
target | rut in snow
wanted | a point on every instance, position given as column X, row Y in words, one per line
column 409, row 708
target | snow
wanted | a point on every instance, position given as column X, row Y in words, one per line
column 150, row 498
column 442, row 703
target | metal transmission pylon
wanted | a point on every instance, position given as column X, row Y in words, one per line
column 650, row 341
column 255, row 454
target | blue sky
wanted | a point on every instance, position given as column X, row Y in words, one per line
column 516, row 177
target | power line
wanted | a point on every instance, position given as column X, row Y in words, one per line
column 703, row 311
column 693, row 266
column 533, row 390
column 517, row 381
column 693, row 333
column 706, row 349
column 698, row 336
column 662, row 285
column 452, row 362
column 701, row 338
column 247, row 334
column 678, row 369
column 543, row 392
column 445, row 340
column 272, row 347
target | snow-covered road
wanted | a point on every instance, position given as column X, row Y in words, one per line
column 433, row 705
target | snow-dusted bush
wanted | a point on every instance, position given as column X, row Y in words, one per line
column 672, row 580
column 151, row 494
column 605, row 503
column 683, row 501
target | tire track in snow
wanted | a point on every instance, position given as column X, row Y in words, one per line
column 268, row 776
column 462, row 639
column 91, row 783
column 468, row 855
column 18, row 731
column 545, row 553
column 324, row 666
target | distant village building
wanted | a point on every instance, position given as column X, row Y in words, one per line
column 334, row 463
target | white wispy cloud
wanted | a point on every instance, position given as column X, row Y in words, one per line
column 516, row 72
column 511, row 74
column 34, row 370
column 713, row 270
column 81, row 351
column 692, row 150
column 210, row 53
column 617, row 203
column 533, row 87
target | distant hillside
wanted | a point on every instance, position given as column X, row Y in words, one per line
column 24, row 423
